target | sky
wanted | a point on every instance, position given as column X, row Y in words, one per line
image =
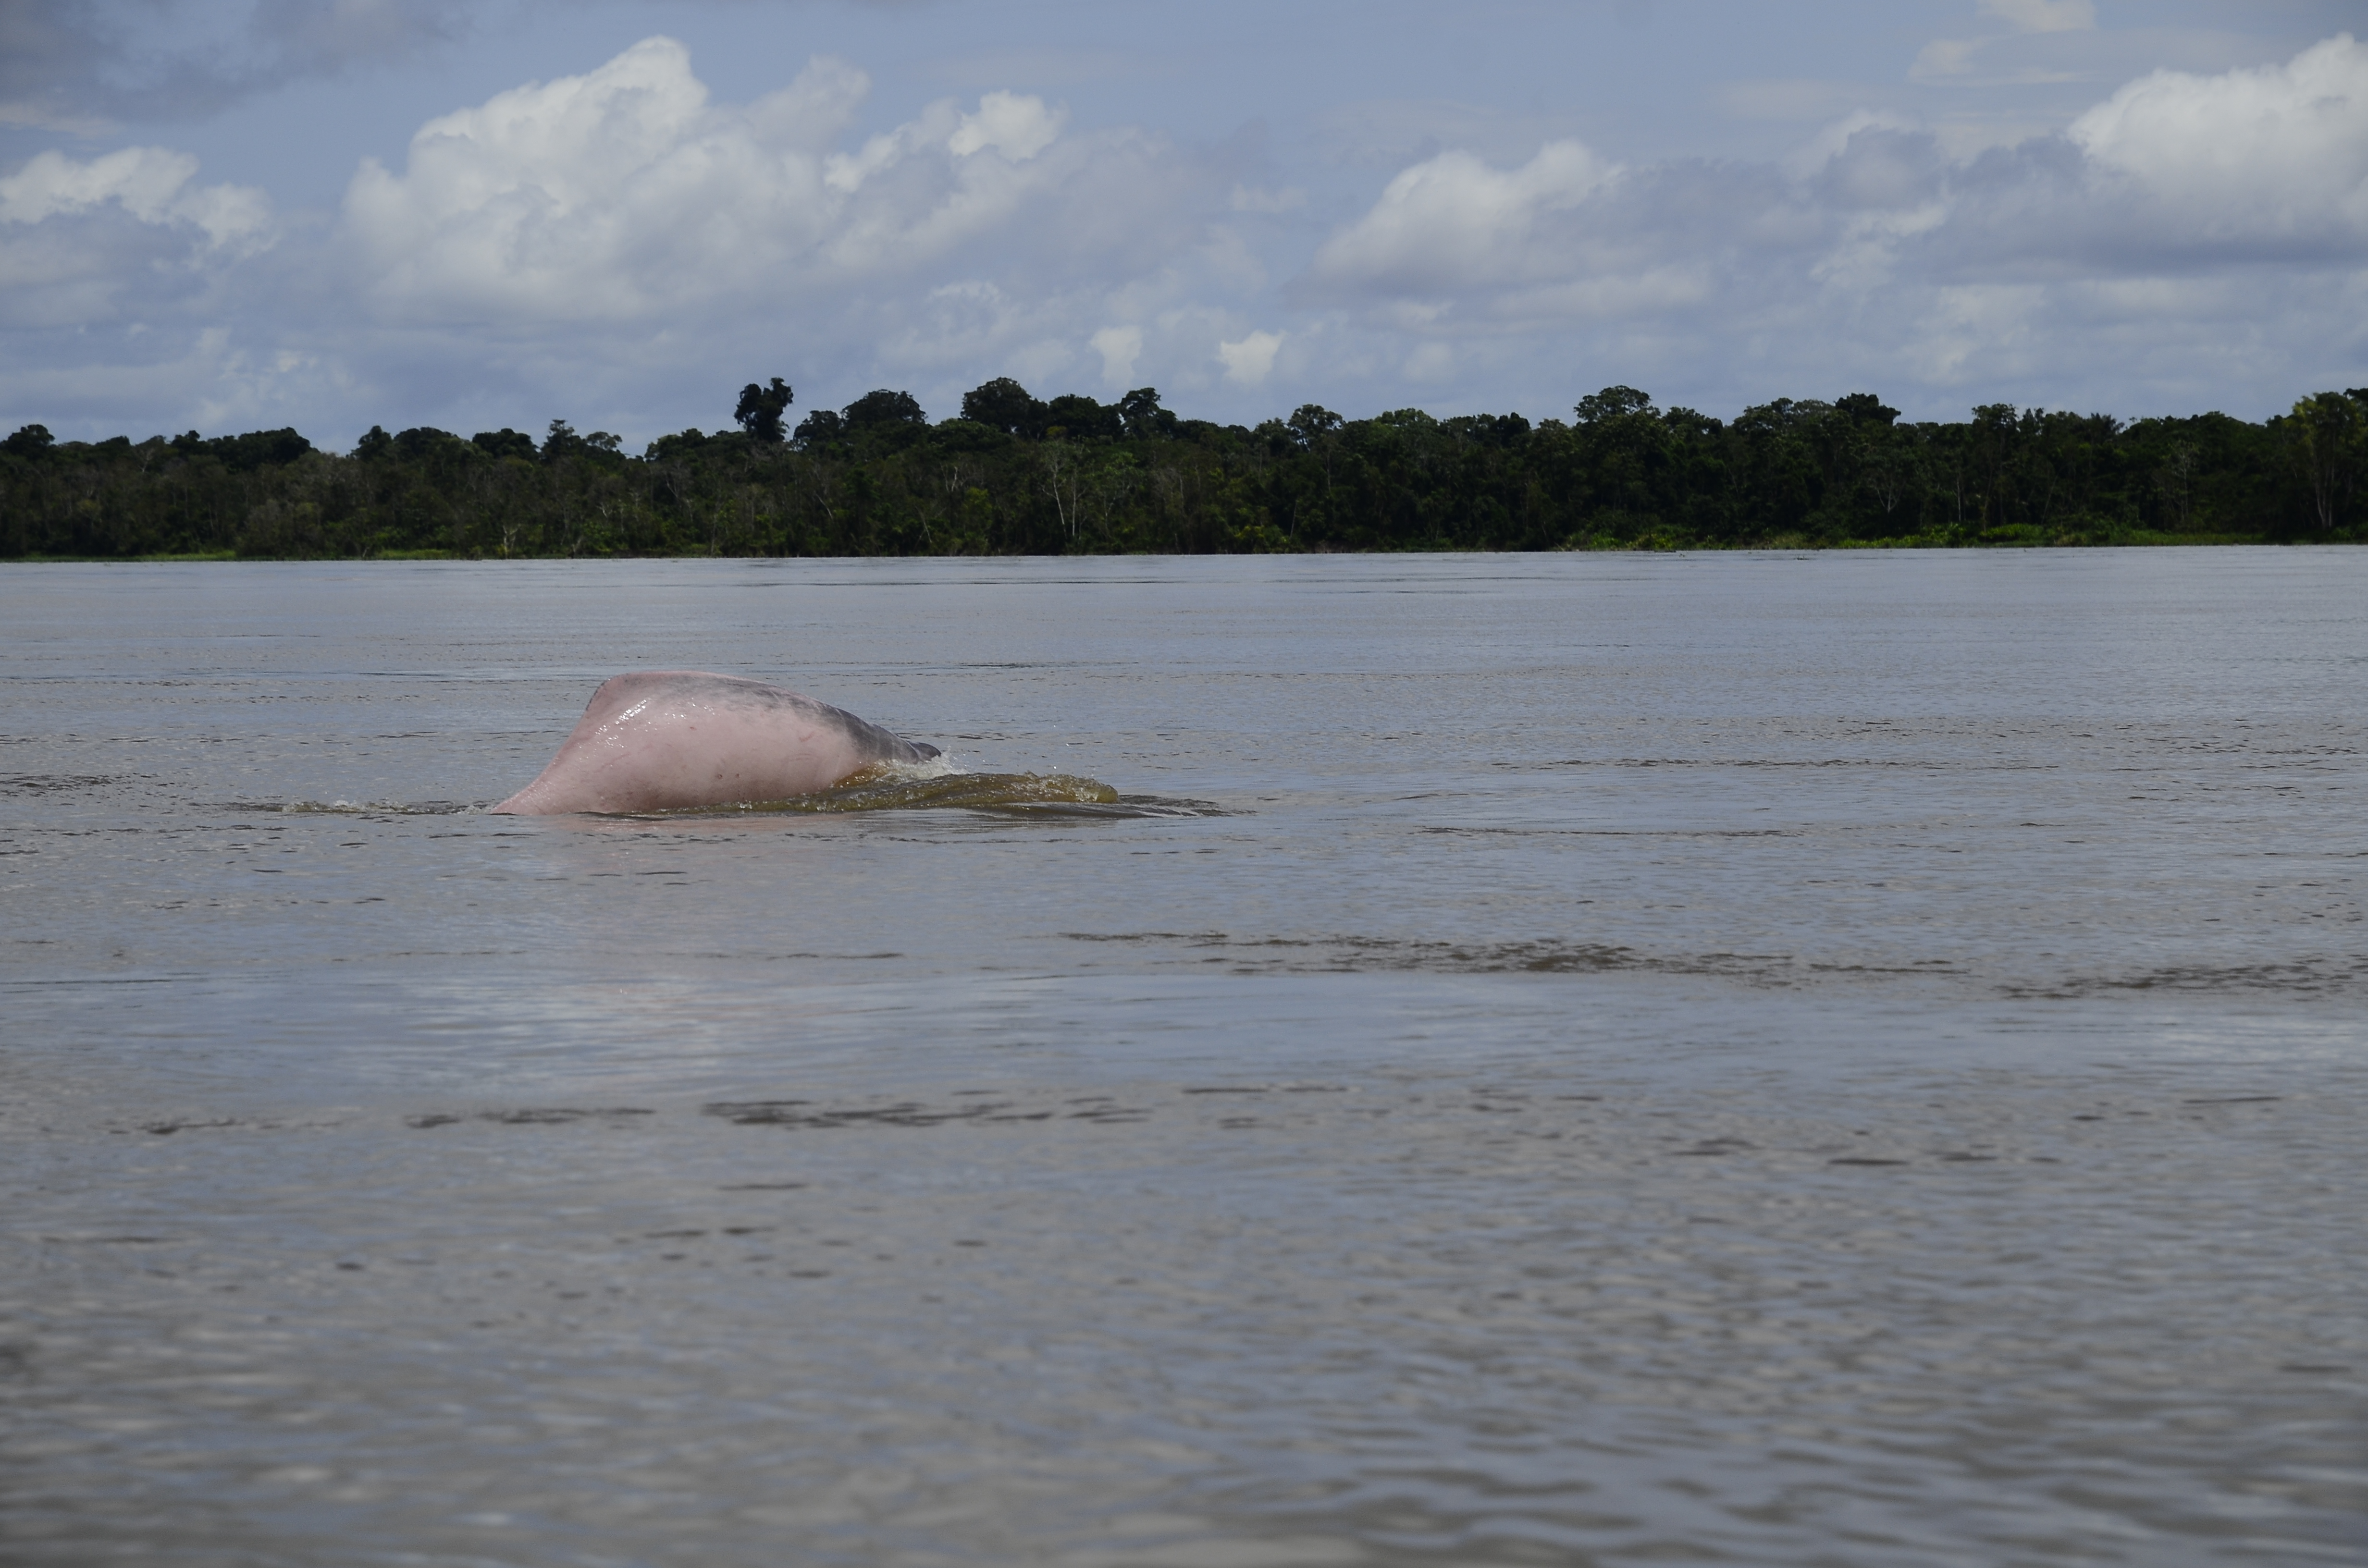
column 227, row 215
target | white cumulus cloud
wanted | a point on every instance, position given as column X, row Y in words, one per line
column 2280, row 147
column 1017, row 127
column 616, row 193
column 1249, row 360
column 1453, row 220
column 626, row 195
column 152, row 184
column 85, row 241
column 1120, row 348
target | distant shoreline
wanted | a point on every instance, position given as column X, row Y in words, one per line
column 1847, row 546
column 1013, row 475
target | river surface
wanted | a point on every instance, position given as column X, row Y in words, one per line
column 1835, row 1060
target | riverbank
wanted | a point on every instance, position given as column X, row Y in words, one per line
column 1013, row 476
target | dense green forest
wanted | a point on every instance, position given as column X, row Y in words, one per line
column 1013, row 474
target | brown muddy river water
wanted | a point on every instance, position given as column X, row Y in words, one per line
column 1843, row 1060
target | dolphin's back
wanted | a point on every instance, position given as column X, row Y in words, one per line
column 666, row 740
column 728, row 692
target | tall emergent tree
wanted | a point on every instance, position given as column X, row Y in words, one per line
column 1006, row 406
column 761, row 409
column 885, row 409
column 29, row 442
column 2327, row 435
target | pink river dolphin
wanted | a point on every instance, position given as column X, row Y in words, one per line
column 664, row 740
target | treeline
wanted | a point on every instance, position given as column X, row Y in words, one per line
column 1015, row 475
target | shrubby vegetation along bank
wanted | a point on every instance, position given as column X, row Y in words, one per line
column 1015, row 475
